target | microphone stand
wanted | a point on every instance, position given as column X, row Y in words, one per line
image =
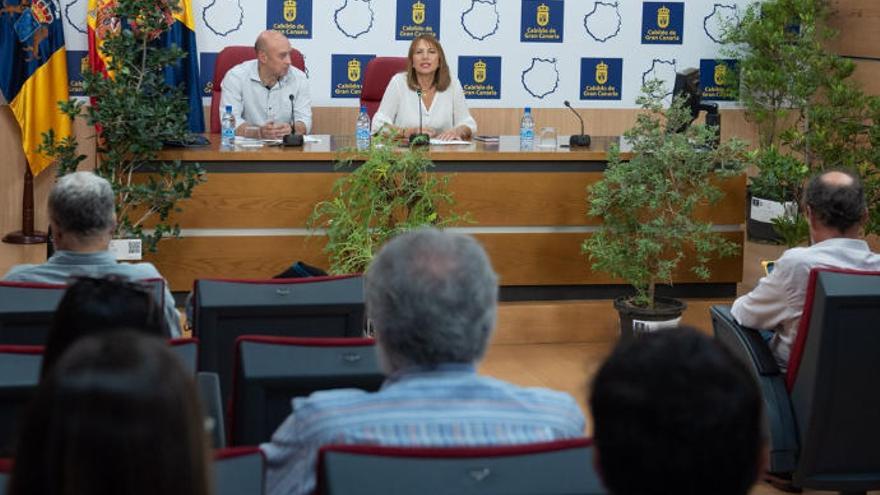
column 579, row 140
column 420, row 138
column 292, row 139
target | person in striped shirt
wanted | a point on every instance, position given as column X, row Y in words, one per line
column 432, row 299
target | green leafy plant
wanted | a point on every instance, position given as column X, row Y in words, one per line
column 780, row 176
column 135, row 113
column 800, row 95
column 391, row 192
column 647, row 204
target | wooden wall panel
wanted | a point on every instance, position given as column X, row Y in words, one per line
column 858, row 24
column 867, row 74
column 519, row 259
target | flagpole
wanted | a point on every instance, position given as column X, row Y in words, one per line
column 27, row 234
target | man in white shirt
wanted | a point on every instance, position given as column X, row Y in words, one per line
column 268, row 91
column 836, row 211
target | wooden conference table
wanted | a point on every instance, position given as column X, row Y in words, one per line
column 530, row 210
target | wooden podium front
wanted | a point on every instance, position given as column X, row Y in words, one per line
column 530, row 211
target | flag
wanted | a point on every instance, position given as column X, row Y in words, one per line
column 33, row 74
column 186, row 71
column 181, row 33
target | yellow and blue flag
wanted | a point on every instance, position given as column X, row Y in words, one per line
column 181, row 33
column 33, row 74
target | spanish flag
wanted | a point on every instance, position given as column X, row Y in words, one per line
column 181, row 33
column 33, row 74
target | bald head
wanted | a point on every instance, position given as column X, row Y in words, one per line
column 836, row 200
column 273, row 56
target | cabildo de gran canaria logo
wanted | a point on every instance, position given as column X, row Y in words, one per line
column 347, row 72
column 542, row 21
column 719, row 80
column 662, row 23
column 480, row 77
column 601, row 78
column 354, row 70
column 415, row 17
column 293, row 18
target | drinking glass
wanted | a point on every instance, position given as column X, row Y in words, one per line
column 547, row 138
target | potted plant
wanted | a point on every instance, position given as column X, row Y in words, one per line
column 648, row 205
column 135, row 113
column 774, row 197
column 798, row 94
column 391, row 192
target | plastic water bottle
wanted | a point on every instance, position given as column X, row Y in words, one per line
column 527, row 131
column 227, row 129
column 362, row 129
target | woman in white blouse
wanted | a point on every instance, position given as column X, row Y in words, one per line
column 444, row 111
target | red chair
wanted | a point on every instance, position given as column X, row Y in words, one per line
column 228, row 58
column 823, row 414
column 19, row 375
column 26, row 310
column 563, row 466
column 239, row 470
column 270, row 371
column 379, row 72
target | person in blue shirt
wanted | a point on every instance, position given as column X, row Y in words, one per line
column 83, row 217
column 431, row 297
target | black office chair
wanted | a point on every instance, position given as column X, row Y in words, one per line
column 270, row 371
column 26, row 310
column 824, row 415
column 239, row 471
column 19, row 375
column 560, row 467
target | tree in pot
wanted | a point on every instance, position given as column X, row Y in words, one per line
column 135, row 112
column 391, row 192
column 776, row 195
column 648, row 205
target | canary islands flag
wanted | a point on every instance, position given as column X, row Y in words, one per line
column 33, row 74
column 181, row 33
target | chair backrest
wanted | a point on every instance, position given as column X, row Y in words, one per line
column 5, row 469
column 270, row 371
column 239, row 470
column 563, row 466
column 834, row 375
column 26, row 310
column 224, row 310
column 379, row 72
column 19, row 375
column 187, row 349
column 228, row 58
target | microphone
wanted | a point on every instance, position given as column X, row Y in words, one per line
column 581, row 140
column 420, row 138
column 292, row 139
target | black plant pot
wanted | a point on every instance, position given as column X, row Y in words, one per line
column 757, row 228
column 635, row 320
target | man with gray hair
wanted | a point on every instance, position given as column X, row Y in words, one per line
column 432, row 299
column 82, row 216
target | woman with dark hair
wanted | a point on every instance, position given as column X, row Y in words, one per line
column 443, row 109
column 116, row 415
column 97, row 305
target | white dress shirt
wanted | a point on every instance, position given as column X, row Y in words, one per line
column 777, row 301
column 400, row 107
column 253, row 103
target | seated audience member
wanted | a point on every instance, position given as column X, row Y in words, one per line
column 100, row 305
column 443, row 109
column 432, row 299
column 83, row 217
column 836, row 211
column 675, row 412
column 262, row 91
column 118, row 414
